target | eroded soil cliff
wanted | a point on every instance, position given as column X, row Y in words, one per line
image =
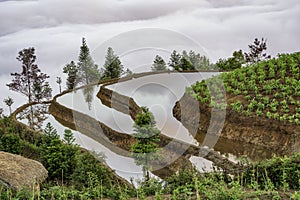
column 279, row 137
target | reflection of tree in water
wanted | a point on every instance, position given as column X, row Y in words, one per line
column 35, row 116
column 88, row 93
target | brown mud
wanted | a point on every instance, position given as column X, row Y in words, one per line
column 280, row 138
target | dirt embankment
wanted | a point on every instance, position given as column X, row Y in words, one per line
column 118, row 142
column 279, row 137
column 128, row 106
column 115, row 141
column 175, row 152
column 118, row 102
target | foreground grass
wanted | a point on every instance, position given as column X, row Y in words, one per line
column 277, row 178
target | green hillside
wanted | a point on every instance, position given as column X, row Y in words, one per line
column 269, row 89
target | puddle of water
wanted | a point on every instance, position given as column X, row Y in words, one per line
column 94, row 108
column 159, row 93
column 234, row 150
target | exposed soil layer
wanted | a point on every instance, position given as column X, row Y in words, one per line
column 279, row 137
column 128, row 106
column 120, row 143
column 118, row 102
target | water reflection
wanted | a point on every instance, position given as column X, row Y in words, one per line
column 88, row 93
column 236, row 149
column 112, row 118
column 159, row 93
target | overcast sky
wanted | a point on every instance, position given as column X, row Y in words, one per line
column 213, row 27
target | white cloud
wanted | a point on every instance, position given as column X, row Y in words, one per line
column 46, row 13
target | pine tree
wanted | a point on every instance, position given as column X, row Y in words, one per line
column 147, row 135
column 256, row 53
column 71, row 71
column 41, row 90
column 238, row 59
column 71, row 151
column 68, row 137
column 185, row 55
column 50, row 132
column 31, row 82
column 199, row 62
column 9, row 102
column 194, row 58
column 185, row 64
column 59, row 81
column 58, row 158
column 88, row 71
column 175, row 60
column 113, row 67
column 158, row 64
column 51, row 152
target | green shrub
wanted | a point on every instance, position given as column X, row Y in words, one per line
column 278, row 171
column 58, row 158
column 30, row 150
column 11, row 143
column 151, row 187
column 87, row 165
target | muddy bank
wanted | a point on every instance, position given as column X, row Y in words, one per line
column 90, row 127
column 118, row 102
column 280, row 138
column 128, row 106
column 118, row 143
column 175, row 153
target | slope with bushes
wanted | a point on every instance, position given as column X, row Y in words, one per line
column 268, row 89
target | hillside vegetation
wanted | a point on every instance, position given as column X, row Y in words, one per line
column 269, row 89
